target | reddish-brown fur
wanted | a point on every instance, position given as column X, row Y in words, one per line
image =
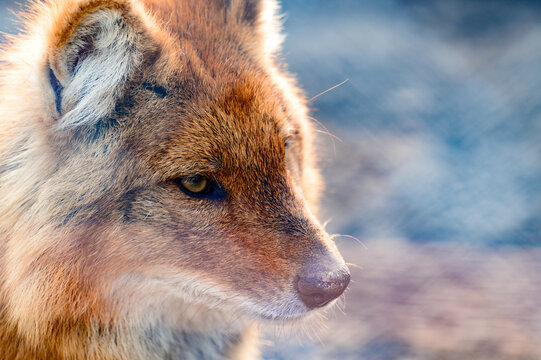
column 95, row 234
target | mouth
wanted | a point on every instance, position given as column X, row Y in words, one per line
column 289, row 311
column 281, row 317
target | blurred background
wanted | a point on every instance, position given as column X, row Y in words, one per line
column 431, row 152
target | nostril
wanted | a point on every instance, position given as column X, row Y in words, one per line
column 319, row 289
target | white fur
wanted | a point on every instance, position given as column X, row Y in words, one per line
column 91, row 93
column 270, row 28
column 187, row 301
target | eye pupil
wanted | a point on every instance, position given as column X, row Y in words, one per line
column 195, row 183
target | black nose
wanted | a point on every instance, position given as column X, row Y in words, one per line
column 319, row 288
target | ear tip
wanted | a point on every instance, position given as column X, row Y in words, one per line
column 68, row 14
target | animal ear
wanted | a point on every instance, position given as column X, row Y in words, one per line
column 262, row 16
column 96, row 46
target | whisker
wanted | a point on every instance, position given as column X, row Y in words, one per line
column 316, row 332
column 350, row 237
column 326, row 91
column 355, row 266
column 306, row 331
column 341, row 305
column 326, row 222
column 329, row 134
column 324, row 130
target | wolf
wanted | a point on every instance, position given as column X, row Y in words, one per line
column 158, row 183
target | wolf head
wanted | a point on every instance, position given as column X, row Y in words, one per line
column 175, row 166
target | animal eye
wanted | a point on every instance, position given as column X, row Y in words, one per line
column 201, row 187
column 195, row 184
column 288, row 141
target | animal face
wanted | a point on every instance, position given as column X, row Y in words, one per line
column 182, row 166
column 248, row 229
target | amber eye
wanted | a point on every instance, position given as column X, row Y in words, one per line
column 200, row 186
column 196, row 184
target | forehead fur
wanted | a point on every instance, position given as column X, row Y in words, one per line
column 237, row 126
column 255, row 22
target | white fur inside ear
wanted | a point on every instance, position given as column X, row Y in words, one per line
column 93, row 86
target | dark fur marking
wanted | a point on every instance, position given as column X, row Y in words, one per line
column 92, row 134
column 57, row 88
column 124, row 105
column 17, row 152
column 126, row 206
column 157, row 89
column 6, row 168
column 251, row 11
column 82, row 53
column 96, row 132
column 69, row 217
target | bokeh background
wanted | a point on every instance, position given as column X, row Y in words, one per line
column 431, row 152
